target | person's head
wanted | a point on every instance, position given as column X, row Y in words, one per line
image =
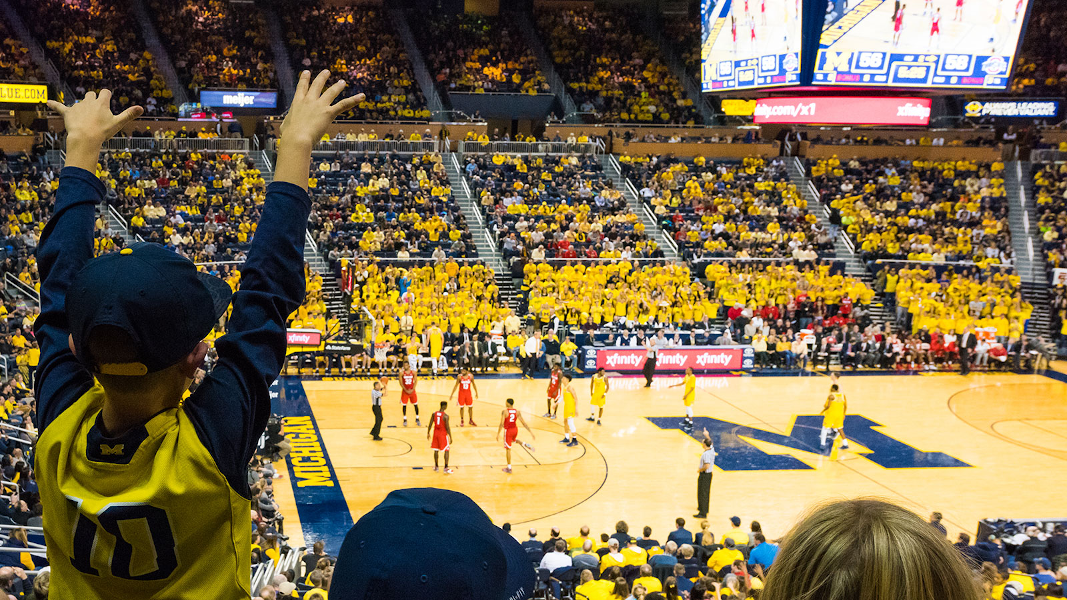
column 613, row 545
column 600, row 371
column 707, row 443
column 755, row 527
column 561, row 546
column 680, row 522
column 1042, row 564
column 533, row 533
column 444, row 405
column 760, row 538
column 315, row 578
column 317, row 548
column 567, row 378
column 867, row 549
column 555, row 532
column 587, row 576
column 646, row 570
column 40, row 585
column 935, row 517
column 584, row 531
column 729, row 542
column 704, row 525
column 689, row 370
column 964, row 539
column 647, row 531
column 587, row 546
column 621, row 589
column 833, row 388
column 679, row 570
column 686, row 551
column 735, row 521
column 622, row 527
column 121, row 328
column 511, row 402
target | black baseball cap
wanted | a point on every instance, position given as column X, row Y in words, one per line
column 430, row 543
column 155, row 296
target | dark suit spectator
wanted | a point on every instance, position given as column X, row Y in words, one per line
column 646, row 540
column 968, row 343
column 532, row 543
column 622, row 533
column 681, row 535
column 550, row 543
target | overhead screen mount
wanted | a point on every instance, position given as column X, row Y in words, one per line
column 946, row 44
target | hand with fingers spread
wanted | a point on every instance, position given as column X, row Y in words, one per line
column 311, row 111
column 312, row 108
column 89, row 124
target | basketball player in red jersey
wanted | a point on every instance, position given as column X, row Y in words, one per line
column 441, row 434
column 898, row 25
column 408, row 379
column 510, row 418
column 959, row 11
column 935, row 28
column 465, row 384
column 553, row 391
column 733, row 31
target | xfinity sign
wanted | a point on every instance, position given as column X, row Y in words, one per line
column 238, row 99
column 839, row 110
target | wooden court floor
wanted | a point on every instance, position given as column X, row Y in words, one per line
column 967, row 447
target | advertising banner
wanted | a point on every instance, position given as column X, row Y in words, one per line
column 700, row 358
column 23, row 93
column 844, row 110
column 303, row 337
column 1013, row 109
column 238, row 99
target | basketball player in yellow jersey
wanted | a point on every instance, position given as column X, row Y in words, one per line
column 570, row 412
column 598, row 393
column 833, row 417
column 146, row 495
column 688, row 397
column 435, row 340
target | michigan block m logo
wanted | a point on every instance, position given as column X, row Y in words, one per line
column 737, row 454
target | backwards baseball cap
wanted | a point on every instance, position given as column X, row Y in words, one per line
column 430, row 543
column 153, row 295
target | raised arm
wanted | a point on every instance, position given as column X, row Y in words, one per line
column 230, row 409
column 67, row 244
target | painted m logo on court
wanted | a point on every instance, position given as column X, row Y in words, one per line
column 737, row 454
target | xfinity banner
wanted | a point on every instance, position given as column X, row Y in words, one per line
column 238, row 99
column 303, row 337
column 1018, row 109
column 700, row 358
column 833, row 110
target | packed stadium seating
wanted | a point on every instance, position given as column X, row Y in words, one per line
column 358, row 44
column 474, row 53
column 1050, row 196
column 612, row 69
column 921, row 210
column 94, row 46
column 386, row 205
column 216, row 44
column 1041, row 67
column 746, row 209
column 15, row 61
column 684, row 34
column 555, row 207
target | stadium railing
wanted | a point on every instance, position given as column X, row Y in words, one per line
column 528, row 148
column 145, row 144
column 398, row 146
column 11, row 281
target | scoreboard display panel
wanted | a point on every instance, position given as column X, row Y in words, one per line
column 920, row 43
column 748, row 44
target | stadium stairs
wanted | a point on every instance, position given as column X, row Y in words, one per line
column 1026, row 242
column 486, row 245
column 638, row 207
column 652, row 24
column 529, row 32
column 282, row 67
column 159, row 52
column 18, row 27
column 422, row 75
column 843, row 247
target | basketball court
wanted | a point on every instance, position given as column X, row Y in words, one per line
column 930, row 442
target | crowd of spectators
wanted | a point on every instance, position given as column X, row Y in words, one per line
column 611, row 69
column 918, row 210
column 94, row 46
column 555, row 207
column 684, row 35
column 746, row 209
column 386, row 205
column 1041, row 65
column 357, row 44
column 923, row 139
column 476, row 53
column 216, row 44
column 16, row 64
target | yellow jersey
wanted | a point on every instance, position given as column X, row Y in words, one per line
column 120, row 541
column 690, row 390
column 834, row 416
column 600, row 390
column 570, row 407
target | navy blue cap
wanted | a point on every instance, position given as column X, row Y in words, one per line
column 430, row 543
column 155, row 296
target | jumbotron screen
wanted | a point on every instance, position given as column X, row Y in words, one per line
column 920, row 43
column 748, row 44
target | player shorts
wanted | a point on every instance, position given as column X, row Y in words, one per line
column 689, row 399
column 833, row 423
column 509, row 436
column 466, row 400
column 598, row 400
column 413, row 361
column 440, row 442
column 380, row 354
column 406, row 398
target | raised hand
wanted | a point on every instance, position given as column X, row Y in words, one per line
column 312, row 108
column 89, row 124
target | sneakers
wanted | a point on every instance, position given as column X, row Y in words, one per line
column 436, row 469
column 598, row 422
column 448, row 471
column 506, row 470
column 417, row 422
column 528, row 447
column 844, row 445
column 405, row 422
column 574, row 442
column 564, row 441
column 553, row 416
column 462, row 424
column 547, row 415
column 591, row 419
column 473, row 424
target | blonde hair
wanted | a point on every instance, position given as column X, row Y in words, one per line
column 867, row 549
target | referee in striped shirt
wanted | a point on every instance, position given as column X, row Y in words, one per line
column 707, row 463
